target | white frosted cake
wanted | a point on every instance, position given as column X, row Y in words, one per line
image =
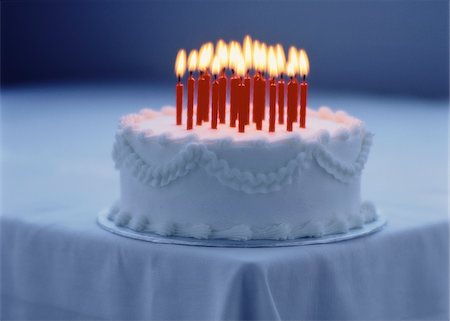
column 221, row 184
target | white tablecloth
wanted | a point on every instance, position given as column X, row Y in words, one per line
column 58, row 264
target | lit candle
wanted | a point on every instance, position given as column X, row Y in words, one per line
column 293, row 60
column 222, row 53
column 222, row 96
column 241, row 96
column 200, row 97
column 207, row 77
column 272, row 62
column 304, row 71
column 272, row 112
column 281, row 100
column 295, row 111
column 192, row 65
column 215, row 68
column 261, row 107
column 215, row 107
column 255, row 97
column 234, row 83
column 292, row 98
column 247, row 81
column 281, row 62
column 263, row 84
column 204, row 81
column 235, row 56
column 179, row 101
column 255, row 102
column 242, row 108
column 190, row 106
column 206, row 53
column 180, row 68
column 248, row 61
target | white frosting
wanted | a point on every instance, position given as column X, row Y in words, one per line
column 209, row 183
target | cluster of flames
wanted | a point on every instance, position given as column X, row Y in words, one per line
column 240, row 59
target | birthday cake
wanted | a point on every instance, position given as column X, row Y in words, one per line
column 222, row 184
column 249, row 169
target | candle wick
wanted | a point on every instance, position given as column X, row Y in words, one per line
column 179, row 78
column 281, row 76
column 232, row 71
column 304, row 77
column 215, row 77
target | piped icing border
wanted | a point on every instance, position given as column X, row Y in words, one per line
column 244, row 232
column 196, row 154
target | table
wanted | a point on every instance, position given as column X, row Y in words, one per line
column 57, row 173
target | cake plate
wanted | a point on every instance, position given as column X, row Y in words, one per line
column 367, row 229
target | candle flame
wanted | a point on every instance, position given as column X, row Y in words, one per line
column 281, row 59
column 192, row 60
column 222, row 53
column 240, row 65
column 263, row 57
column 206, row 53
column 235, row 52
column 256, row 45
column 215, row 65
column 290, row 70
column 180, row 63
column 248, row 54
column 256, row 50
column 292, row 58
column 303, row 63
column 272, row 62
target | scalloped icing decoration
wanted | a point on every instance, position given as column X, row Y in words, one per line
column 196, row 154
column 244, row 232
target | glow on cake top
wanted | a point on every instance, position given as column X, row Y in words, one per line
column 242, row 94
column 323, row 125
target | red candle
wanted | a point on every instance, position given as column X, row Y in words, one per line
column 180, row 68
column 255, row 97
column 200, row 98
column 241, row 98
column 215, row 103
column 260, row 106
column 222, row 96
column 272, row 99
column 292, row 102
column 281, row 100
column 296, row 109
column 247, row 80
column 192, row 65
column 190, row 102
column 263, row 89
column 304, row 70
column 303, row 95
column 179, row 101
column 205, row 113
column 234, row 83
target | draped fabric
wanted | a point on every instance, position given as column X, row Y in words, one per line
column 56, row 263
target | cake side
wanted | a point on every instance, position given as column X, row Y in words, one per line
column 262, row 187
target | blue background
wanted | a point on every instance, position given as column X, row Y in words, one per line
column 393, row 47
column 72, row 68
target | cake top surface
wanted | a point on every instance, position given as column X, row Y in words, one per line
column 150, row 141
column 322, row 124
